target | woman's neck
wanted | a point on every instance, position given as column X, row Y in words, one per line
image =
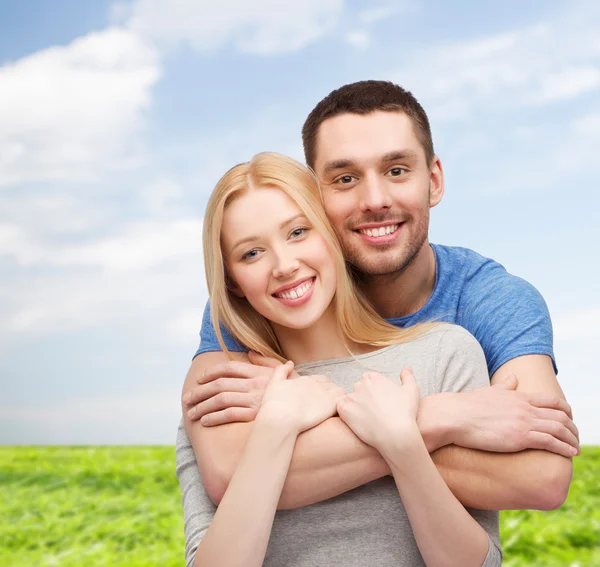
column 321, row 341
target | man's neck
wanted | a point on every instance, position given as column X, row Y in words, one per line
column 403, row 293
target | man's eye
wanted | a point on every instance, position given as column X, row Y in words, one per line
column 345, row 179
column 396, row 171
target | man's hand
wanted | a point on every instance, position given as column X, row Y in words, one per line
column 230, row 392
column 500, row 419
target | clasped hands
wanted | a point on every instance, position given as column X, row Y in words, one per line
column 496, row 418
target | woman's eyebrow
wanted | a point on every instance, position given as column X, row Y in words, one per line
column 253, row 238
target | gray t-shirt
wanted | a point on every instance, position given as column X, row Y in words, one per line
column 368, row 525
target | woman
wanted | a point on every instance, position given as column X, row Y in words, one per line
column 278, row 282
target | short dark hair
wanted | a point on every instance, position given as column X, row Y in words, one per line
column 365, row 97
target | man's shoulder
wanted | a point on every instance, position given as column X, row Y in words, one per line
column 458, row 265
column 477, row 281
column 460, row 257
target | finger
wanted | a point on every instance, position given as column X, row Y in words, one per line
column 229, row 415
column 509, row 383
column 407, row 378
column 282, row 371
column 204, row 391
column 220, row 402
column 261, row 360
column 233, row 369
column 550, row 401
column 557, row 415
column 537, row 440
column 557, row 430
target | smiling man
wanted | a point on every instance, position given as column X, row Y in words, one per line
column 504, row 447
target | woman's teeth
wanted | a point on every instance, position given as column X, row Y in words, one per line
column 381, row 231
column 296, row 292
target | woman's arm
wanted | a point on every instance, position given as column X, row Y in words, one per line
column 446, row 534
column 240, row 530
column 383, row 415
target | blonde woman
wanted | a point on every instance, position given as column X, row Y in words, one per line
column 278, row 282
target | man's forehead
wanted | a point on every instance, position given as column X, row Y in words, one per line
column 365, row 138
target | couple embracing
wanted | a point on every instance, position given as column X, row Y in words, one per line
column 339, row 409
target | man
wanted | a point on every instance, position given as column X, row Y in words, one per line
column 505, row 447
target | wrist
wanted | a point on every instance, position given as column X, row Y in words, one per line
column 435, row 427
column 273, row 416
column 402, row 443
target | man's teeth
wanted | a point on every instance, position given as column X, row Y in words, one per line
column 296, row 292
column 381, row 231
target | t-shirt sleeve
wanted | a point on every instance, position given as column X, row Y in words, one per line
column 198, row 508
column 507, row 315
column 460, row 364
column 208, row 336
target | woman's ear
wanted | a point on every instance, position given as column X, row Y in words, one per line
column 234, row 287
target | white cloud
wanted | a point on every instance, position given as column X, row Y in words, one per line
column 520, row 68
column 66, row 112
column 127, row 419
column 358, row 38
column 578, row 326
column 259, row 27
column 377, row 13
column 149, row 268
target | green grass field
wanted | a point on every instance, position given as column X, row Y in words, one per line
column 120, row 507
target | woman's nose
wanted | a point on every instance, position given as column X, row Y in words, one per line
column 285, row 266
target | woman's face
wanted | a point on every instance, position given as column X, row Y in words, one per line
column 276, row 259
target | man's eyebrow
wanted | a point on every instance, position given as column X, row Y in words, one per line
column 399, row 155
column 249, row 239
column 337, row 164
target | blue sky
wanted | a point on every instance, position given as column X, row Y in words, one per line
column 116, row 120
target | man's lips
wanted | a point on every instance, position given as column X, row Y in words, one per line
column 379, row 233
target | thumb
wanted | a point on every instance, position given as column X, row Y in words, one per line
column 407, row 378
column 282, row 371
column 509, row 383
column 260, row 360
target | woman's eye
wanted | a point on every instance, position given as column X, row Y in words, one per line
column 396, row 171
column 250, row 255
column 297, row 232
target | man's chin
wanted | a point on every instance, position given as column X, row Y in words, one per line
column 382, row 267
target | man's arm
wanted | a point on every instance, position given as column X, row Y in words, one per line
column 329, row 459
column 537, row 479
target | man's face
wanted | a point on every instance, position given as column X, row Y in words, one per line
column 377, row 188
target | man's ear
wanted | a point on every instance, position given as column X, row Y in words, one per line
column 436, row 182
column 234, row 287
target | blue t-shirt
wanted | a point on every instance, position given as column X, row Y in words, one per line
column 506, row 314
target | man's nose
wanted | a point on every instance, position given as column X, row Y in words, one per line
column 286, row 264
column 374, row 196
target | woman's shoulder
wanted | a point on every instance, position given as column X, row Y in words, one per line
column 446, row 333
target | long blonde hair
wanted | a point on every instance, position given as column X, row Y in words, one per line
column 357, row 320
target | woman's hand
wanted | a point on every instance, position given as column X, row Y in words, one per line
column 302, row 402
column 381, row 413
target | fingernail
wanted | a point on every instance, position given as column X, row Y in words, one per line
column 187, row 397
column 203, row 420
column 574, row 451
column 191, row 413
